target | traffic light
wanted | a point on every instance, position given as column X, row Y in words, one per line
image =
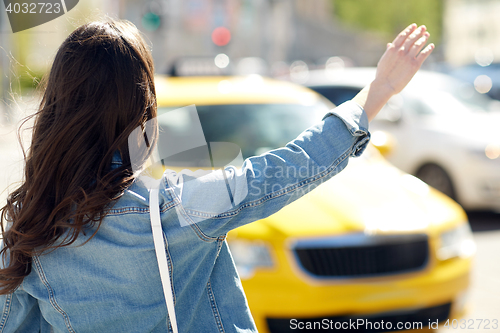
column 152, row 16
column 221, row 36
column 151, row 21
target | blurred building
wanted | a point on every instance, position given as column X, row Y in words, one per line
column 273, row 30
column 26, row 55
column 35, row 48
column 318, row 35
column 472, row 31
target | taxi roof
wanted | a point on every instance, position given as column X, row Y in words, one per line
column 216, row 90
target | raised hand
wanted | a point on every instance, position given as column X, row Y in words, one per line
column 401, row 60
column 403, row 57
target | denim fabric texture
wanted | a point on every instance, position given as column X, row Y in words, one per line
column 112, row 283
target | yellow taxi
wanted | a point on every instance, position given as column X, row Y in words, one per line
column 373, row 249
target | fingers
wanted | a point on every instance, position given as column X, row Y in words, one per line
column 413, row 38
column 403, row 57
column 418, row 45
column 425, row 53
column 400, row 39
column 411, row 41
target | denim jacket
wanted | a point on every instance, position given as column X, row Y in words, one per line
column 112, row 283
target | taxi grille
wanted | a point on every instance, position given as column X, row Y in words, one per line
column 362, row 256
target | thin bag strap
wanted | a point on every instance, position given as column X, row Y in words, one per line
column 161, row 257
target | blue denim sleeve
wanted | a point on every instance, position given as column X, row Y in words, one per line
column 20, row 313
column 226, row 199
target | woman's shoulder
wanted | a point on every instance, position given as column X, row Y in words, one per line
column 135, row 199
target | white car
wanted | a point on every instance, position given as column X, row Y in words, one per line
column 445, row 132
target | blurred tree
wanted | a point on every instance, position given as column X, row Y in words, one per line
column 391, row 16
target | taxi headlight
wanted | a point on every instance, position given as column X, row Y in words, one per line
column 249, row 255
column 457, row 242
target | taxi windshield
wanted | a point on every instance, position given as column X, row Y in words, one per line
column 254, row 128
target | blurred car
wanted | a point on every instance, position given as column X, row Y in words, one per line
column 372, row 243
column 445, row 132
column 486, row 79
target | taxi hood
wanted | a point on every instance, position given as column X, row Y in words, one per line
column 369, row 196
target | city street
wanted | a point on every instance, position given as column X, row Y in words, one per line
column 234, row 81
column 485, row 292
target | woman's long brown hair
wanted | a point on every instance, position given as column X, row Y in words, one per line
column 100, row 88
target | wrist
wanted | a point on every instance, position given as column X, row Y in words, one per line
column 383, row 89
column 373, row 97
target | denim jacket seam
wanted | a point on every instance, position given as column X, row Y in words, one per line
column 220, row 242
column 215, row 310
column 52, row 299
column 204, row 237
column 134, row 209
column 276, row 194
column 127, row 210
column 166, row 206
column 6, row 312
column 201, row 235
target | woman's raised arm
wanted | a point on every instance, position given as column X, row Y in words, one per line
column 396, row 67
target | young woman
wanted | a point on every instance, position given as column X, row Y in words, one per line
column 78, row 253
